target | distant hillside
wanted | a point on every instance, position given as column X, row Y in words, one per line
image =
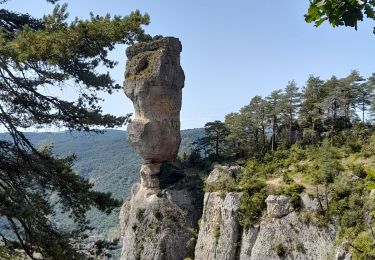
column 107, row 160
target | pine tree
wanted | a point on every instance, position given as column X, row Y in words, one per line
column 291, row 102
column 37, row 57
column 274, row 102
column 365, row 95
column 310, row 113
column 237, row 135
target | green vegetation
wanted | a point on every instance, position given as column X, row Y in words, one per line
column 280, row 250
column 319, row 141
column 139, row 213
column 217, row 233
column 340, row 12
column 38, row 57
column 157, row 213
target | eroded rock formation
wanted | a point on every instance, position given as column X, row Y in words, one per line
column 160, row 214
column 153, row 81
column 222, row 238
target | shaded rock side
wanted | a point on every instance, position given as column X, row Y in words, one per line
column 153, row 81
column 157, row 226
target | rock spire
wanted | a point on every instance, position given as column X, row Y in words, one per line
column 153, row 81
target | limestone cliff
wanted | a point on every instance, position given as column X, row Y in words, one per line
column 158, row 226
column 281, row 233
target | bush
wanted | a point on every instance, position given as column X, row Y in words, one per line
column 222, row 184
column 139, row 213
column 364, row 242
column 368, row 149
column 157, row 213
column 280, row 250
column 293, row 191
column 252, row 203
column 217, row 233
column 287, row 179
column 358, row 170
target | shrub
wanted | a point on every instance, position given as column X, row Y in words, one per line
column 293, row 191
column 253, row 203
column 217, row 233
column 287, row 179
column 139, row 213
column 364, row 242
column 358, row 170
column 157, row 213
column 300, row 247
column 280, row 250
column 222, row 184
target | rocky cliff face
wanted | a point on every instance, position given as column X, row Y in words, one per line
column 281, row 233
column 158, row 226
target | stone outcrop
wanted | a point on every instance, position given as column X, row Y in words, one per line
column 153, row 81
column 219, row 228
column 278, row 206
column 157, row 226
column 281, row 233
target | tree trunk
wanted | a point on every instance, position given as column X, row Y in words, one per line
column 217, row 145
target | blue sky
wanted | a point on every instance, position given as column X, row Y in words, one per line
column 232, row 50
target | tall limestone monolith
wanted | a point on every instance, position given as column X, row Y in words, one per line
column 153, row 81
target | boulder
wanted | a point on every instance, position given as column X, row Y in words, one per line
column 278, row 206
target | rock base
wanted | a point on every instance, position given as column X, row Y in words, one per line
column 160, row 224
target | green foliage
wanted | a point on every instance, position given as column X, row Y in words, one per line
column 365, row 242
column 9, row 254
column 293, row 191
column 139, row 213
column 222, row 184
column 213, row 144
column 339, row 13
column 217, row 233
column 253, row 200
column 358, row 170
column 190, row 244
column 351, row 204
column 38, row 56
column 280, row 250
column 368, row 149
column 370, row 178
column 325, row 164
column 157, row 213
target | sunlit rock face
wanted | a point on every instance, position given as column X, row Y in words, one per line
column 153, row 81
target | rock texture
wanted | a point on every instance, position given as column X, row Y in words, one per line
column 219, row 228
column 153, row 81
column 221, row 237
column 278, row 206
column 299, row 240
column 157, row 226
